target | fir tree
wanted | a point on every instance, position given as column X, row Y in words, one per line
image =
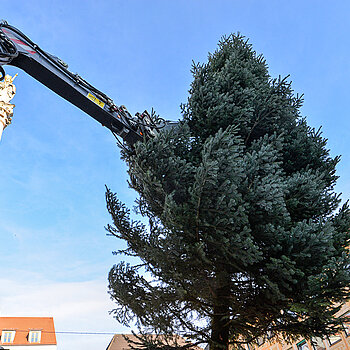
column 246, row 236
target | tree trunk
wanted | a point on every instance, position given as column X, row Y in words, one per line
column 220, row 320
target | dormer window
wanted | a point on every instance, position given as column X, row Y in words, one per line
column 34, row 336
column 7, row 336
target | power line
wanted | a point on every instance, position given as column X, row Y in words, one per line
column 63, row 332
column 86, row 333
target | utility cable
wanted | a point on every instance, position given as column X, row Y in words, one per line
column 60, row 332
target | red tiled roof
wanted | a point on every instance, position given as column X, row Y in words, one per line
column 22, row 326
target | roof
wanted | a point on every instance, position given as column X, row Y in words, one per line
column 22, row 326
column 119, row 342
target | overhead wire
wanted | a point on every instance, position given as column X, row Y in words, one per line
column 64, row 332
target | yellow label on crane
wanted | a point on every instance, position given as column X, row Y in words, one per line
column 95, row 99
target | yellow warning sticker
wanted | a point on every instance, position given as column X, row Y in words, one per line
column 95, row 99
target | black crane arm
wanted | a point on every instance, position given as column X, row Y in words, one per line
column 18, row 50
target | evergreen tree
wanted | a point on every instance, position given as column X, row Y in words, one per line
column 246, row 236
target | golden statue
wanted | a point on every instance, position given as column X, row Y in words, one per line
column 7, row 93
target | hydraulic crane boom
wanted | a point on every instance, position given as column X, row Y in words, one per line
column 18, row 50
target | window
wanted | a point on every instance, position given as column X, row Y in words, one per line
column 34, row 336
column 8, row 336
column 347, row 329
column 318, row 344
column 303, row 345
column 347, row 326
column 270, row 334
column 332, row 339
column 260, row 341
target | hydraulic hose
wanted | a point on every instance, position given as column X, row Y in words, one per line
column 2, row 72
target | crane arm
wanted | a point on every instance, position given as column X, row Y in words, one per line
column 18, row 50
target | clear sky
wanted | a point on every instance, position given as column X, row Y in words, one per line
column 55, row 160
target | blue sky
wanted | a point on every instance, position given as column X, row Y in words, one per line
column 55, row 160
